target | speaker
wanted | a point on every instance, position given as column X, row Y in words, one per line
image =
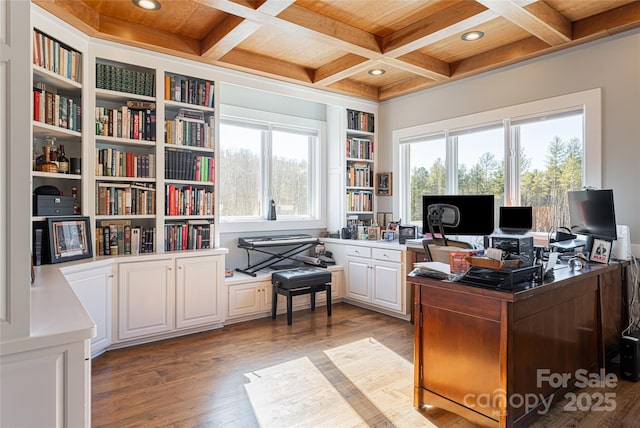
column 630, row 356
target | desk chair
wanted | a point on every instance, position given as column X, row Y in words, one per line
column 440, row 216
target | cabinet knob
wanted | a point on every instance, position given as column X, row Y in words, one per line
column 180, row 267
column 110, row 276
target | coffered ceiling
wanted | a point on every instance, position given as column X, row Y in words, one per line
column 333, row 44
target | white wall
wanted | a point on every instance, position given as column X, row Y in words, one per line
column 613, row 65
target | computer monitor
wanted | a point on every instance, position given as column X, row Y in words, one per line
column 477, row 213
column 592, row 213
column 515, row 220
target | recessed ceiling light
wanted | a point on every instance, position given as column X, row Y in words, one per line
column 376, row 72
column 147, row 4
column 472, row 35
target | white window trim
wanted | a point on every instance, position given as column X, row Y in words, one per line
column 316, row 220
column 589, row 100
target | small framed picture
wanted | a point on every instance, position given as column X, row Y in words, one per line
column 374, row 233
column 383, row 184
column 600, row 251
column 69, row 238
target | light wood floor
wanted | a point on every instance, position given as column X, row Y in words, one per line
column 354, row 369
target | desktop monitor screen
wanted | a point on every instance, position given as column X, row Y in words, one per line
column 515, row 220
column 476, row 213
column 592, row 212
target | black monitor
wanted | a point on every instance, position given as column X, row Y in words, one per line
column 476, row 213
column 592, row 213
column 515, row 220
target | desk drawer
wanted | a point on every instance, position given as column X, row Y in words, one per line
column 353, row 250
column 387, row 255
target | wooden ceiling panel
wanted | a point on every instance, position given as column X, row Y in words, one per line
column 390, row 75
column 184, row 17
column 379, row 17
column 284, row 46
column 577, row 10
column 331, row 44
column 497, row 33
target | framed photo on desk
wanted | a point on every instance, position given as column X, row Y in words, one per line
column 600, row 251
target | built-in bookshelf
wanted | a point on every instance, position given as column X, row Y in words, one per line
column 189, row 162
column 57, row 144
column 125, row 163
column 360, row 167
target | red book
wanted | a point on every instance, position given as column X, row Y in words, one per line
column 136, row 126
column 197, row 168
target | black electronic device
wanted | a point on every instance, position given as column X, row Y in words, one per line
column 518, row 245
column 407, row 232
column 477, row 213
column 630, row 356
column 515, row 220
column 592, row 213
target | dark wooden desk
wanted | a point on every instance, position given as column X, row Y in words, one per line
column 478, row 350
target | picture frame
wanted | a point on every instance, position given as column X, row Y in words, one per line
column 69, row 238
column 383, row 184
column 374, row 233
column 600, row 251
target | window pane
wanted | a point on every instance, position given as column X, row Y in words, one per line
column 240, row 171
column 290, row 173
column 426, row 161
column 481, row 163
column 551, row 157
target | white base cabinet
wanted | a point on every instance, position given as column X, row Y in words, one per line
column 47, row 387
column 145, row 298
column 198, row 298
column 252, row 297
column 94, row 288
column 162, row 296
column 374, row 275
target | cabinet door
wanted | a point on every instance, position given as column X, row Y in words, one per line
column 197, row 295
column 94, row 290
column 249, row 299
column 358, row 273
column 145, row 298
column 387, row 285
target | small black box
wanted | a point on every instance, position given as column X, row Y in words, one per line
column 519, row 245
column 50, row 205
column 630, row 356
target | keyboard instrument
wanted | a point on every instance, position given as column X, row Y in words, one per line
column 276, row 240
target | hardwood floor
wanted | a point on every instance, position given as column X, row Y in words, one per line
column 353, row 369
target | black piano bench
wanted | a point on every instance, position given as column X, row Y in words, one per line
column 295, row 282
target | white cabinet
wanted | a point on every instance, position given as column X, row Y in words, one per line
column 94, row 289
column 250, row 298
column 145, row 298
column 198, row 299
column 47, row 387
column 162, row 296
column 375, row 276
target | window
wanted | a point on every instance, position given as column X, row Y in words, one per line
column 263, row 159
column 530, row 154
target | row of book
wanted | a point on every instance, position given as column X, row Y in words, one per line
column 125, row 199
column 188, row 200
column 181, row 132
column 136, row 120
column 56, row 57
column 359, row 148
column 359, row 201
column 192, row 235
column 188, row 90
column 53, row 109
column 115, row 163
column 184, row 165
column 120, row 79
column 360, row 121
column 359, row 175
column 115, row 237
